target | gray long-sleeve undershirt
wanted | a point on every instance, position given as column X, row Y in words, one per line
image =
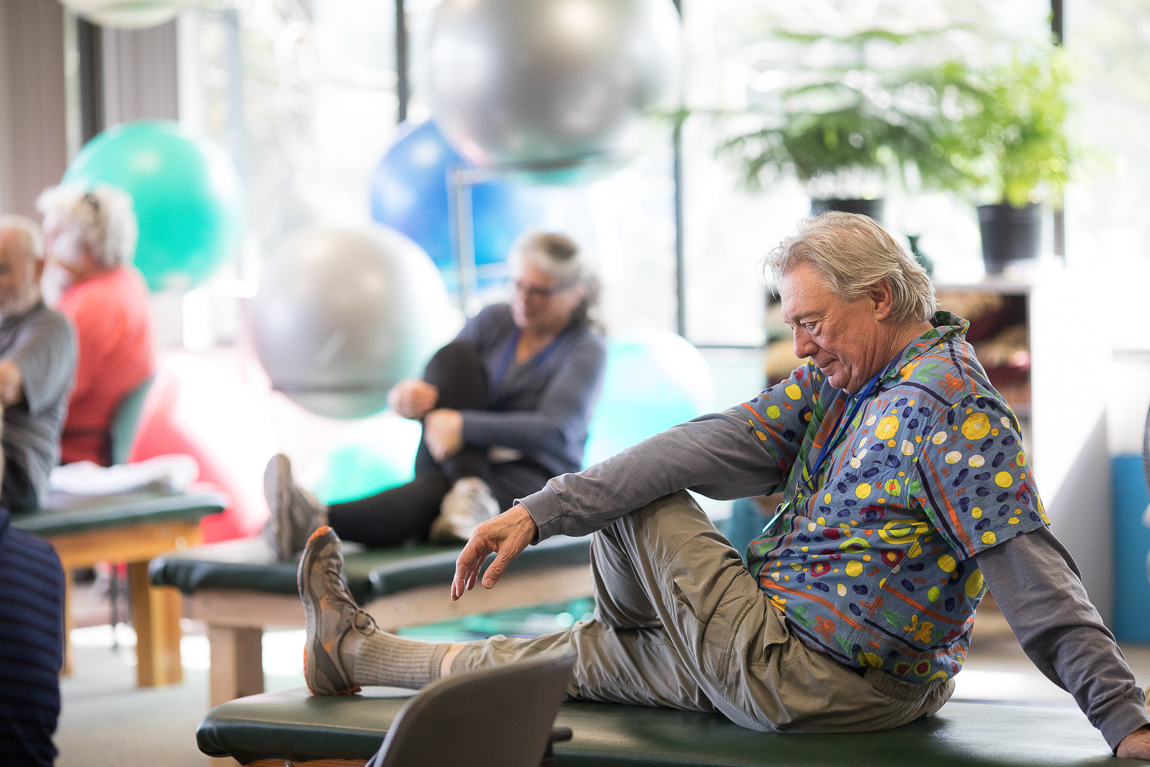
column 718, row 456
column 1039, row 589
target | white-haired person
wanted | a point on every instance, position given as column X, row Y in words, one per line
column 908, row 495
column 90, row 240
column 37, row 359
column 504, row 407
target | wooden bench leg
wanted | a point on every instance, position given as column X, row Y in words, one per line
column 69, row 587
column 237, row 657
column 156, row 613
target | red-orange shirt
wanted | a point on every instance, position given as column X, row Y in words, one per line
column 114, row 336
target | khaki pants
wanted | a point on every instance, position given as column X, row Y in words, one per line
column 681, row 623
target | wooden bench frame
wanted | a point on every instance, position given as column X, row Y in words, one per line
column 156, row 610
column 236, row 620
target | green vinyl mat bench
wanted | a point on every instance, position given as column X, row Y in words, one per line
column 238, row 590
column 292, row 727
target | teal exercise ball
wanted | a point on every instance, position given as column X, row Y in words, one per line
column 654, row 380
column 373, row 455
column 187, row 194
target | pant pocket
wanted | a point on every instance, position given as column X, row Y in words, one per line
column 906, row 691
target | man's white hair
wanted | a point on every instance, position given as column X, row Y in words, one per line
column 27, row 231
column 854, row 252
column 102, row 218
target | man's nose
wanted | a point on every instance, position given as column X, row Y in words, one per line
column 804, row 347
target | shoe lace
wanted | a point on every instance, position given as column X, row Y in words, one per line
column 339, row 589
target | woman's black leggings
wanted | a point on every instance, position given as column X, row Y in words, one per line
column 405, row 512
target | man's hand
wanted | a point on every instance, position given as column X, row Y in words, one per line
column 412, row 398
column 1136, row 745
column 443, row 433
column 11, row 383
column 507, row 535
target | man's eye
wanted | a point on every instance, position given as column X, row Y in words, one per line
column 809, row 327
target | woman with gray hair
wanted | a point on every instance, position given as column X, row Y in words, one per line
column 504, row 407
column 90, row 239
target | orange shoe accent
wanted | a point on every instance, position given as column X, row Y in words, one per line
column 318, row 532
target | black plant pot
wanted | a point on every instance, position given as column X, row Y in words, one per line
column 1009, row 234
column 872, row 208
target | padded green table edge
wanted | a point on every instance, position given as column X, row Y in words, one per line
column 103, row 512
column 295, row 726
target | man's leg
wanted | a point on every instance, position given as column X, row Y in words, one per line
column 681, row 622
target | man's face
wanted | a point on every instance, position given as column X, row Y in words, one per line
column 845, row 340
column 19, row 275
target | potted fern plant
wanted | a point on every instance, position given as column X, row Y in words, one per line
column 849, row 123
column 1012, row 149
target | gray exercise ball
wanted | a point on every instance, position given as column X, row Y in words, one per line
column 566, row 90
column 341, row 315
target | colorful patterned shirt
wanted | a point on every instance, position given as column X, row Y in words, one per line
column 871, row 557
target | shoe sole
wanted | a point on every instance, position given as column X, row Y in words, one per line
column 311, row 617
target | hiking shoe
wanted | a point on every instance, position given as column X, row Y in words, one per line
column 330, row 614
column 467, row 504
column 296, row 513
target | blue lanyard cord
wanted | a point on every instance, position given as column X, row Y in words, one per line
column 839, row 430
column 841, row 425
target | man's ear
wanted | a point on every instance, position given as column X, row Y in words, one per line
column 38, row 270
column 882, row 299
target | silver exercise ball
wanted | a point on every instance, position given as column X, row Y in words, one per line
column 567, row 89
column 341, row 315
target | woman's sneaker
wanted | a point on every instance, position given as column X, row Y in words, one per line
column 330, row 614
column 468, row 503
column 296, row 513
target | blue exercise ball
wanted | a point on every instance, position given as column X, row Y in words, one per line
column 409, row 192
column 654, row 380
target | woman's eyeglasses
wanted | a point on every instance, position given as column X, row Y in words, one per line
column 534, row 291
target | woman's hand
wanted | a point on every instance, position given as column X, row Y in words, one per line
column 443, row 433
column 506, row 535
column 413, row 398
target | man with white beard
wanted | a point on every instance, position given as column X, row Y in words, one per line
column 37, row 361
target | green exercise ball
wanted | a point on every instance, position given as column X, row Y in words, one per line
column 372, row 456
column 187, row 193
column 654, row 380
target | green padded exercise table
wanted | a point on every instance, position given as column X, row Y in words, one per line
column 295, row 728
column 238, row 590
column 128, row 527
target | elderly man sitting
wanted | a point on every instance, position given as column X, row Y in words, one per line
column 91, row 239
column 37, row 357
column 907, row 494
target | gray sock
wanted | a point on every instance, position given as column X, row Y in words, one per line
column 386, row 659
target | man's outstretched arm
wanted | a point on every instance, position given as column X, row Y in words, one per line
column 718, row 455
column 1035, row 582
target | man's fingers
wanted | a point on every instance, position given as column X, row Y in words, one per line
column 495, row 571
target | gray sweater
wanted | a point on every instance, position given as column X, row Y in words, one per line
column 42, row 344
column 541, row 407
column 716, row 455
